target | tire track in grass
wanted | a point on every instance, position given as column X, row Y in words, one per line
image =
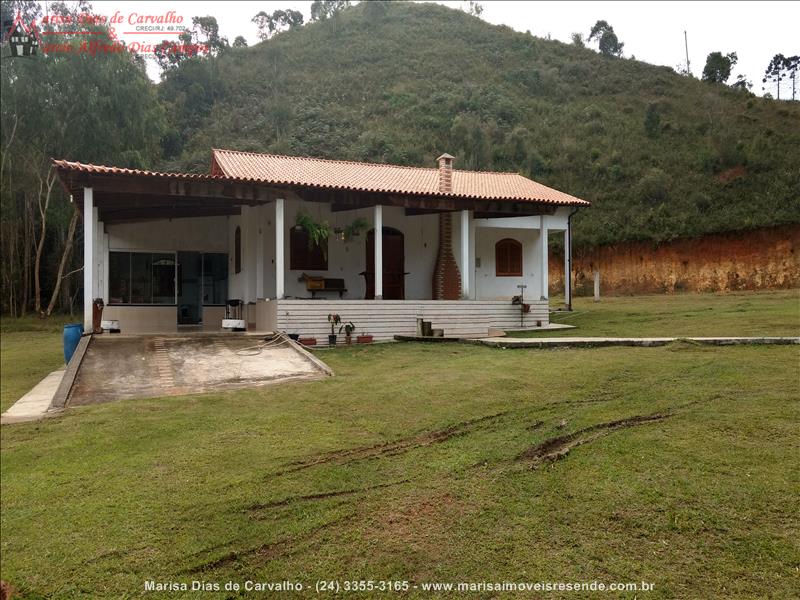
column 401, row 446
column 255, row 508
column 264, row 552
column 558, row 447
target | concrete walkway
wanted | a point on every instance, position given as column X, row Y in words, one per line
column 34, row 404
column 597, row 342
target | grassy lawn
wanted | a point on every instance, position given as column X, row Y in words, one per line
column 741, row 313
column 425, row 463
column 30, row 348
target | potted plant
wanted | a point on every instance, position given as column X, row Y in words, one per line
column 349, row 328
column 318, row 233
column 355, row 228
column 364, row 338
column 334, row 319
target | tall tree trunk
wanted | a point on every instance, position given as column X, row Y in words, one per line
column 26, row 256
column 45, row 187
column 64, row 259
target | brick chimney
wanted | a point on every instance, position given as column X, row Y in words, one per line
column 446, row 276
column 445, row 173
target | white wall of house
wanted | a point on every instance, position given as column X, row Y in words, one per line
column 202, row 234
column 345, row 259
column 488, row 285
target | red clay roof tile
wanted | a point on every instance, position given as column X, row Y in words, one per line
column 356, row 176
column 376, row 177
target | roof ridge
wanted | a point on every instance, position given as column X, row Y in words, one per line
column 326, row 160
column 358, row 162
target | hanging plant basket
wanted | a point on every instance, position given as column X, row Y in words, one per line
column 318, row 233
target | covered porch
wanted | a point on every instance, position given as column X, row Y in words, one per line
column 168, row 250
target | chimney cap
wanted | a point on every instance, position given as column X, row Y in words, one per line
column 445, row 156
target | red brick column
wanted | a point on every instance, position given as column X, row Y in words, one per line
column 446, row 276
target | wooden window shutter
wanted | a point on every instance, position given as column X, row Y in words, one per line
column 508, row 258
column 304, row 254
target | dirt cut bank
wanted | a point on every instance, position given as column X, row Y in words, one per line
column 767, row 258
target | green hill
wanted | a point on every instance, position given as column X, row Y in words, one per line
column 660, row 155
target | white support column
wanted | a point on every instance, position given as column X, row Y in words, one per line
column 378, row 252
column 106, row 266
column 544, row 266
column 472, row 269
column 465, row 262
column 279, row 248
column 89, row 231
column 567, row 269
column 247, row 266
column 260, row 252
column 98, row 256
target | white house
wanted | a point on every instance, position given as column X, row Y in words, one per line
column 167, row 251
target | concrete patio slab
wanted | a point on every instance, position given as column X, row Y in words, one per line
column 34, row 404
column 597, row 342
column 118, row 367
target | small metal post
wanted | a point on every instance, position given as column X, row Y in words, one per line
column 597, row 285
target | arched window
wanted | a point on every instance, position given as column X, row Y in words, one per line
column 508, row 258
column 237, row 250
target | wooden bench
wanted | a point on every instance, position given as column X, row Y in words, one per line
column 323, row 284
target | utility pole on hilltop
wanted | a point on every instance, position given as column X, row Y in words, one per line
column 686, row 44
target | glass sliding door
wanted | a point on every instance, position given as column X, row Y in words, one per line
column 190, row 272
column 215, row 279
column 141, row 278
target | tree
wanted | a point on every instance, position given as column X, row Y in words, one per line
column 203, row 39
column 577, row 39
column 741, row 83
column 607, row 40
column 375, row 10
column 718, row 67
column 239, row 42
column 777, row 70
column 205, row 32
column 118, row 120
column 792, row 65
column 652, row 121
column 473, row 8
column 280, row 20
column 325, row 9
column 169, row 55
column 472, row 138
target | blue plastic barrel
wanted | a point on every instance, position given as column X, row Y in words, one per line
column 72, row 336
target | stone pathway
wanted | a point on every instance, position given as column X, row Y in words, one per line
column 34, row 404
column 597, row 342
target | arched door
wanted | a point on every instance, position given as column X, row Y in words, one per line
column 394, row 263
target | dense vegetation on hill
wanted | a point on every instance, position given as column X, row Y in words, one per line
column 659, row 154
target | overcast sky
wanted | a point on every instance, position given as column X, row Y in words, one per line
column 651, row 31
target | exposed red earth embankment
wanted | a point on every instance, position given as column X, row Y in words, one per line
column 767, row 258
